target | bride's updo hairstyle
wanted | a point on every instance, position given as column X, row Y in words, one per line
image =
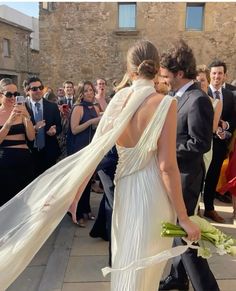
column 143, row 60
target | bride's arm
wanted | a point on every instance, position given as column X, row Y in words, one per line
column 170, row 173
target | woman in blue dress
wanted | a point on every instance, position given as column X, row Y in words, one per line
column 83, row 121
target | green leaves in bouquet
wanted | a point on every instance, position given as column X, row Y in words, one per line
column 224, row 244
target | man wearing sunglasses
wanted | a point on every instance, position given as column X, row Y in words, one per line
column 46, row 118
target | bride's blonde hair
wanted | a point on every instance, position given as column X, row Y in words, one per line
column 143, row 59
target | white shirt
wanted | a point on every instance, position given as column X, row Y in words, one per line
column 182, row 90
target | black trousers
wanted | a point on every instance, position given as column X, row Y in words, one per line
column 197, row 269
column 189, row 264
column 41, row 161
column 213, row 174
column 83, row 206
column 16, row 171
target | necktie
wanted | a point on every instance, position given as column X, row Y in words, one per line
column 40, row 139
column 69, row 102
column 217, row 95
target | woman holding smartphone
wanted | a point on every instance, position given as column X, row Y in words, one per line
column 16, row 168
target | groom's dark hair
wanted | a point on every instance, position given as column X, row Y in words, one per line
column 180, row 57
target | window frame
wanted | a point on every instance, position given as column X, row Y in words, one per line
column 6, row 49
column 48, row 6
column 129, row 28
column 195, row 4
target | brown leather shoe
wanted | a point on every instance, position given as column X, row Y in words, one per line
column 213, row 215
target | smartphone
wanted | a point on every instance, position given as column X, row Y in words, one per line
column 20, row 100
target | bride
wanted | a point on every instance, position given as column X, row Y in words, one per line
column 142, row 123
column 147, row 180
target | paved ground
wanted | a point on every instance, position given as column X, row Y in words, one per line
column 70, row 260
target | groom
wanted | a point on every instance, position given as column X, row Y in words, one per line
column 194, row 136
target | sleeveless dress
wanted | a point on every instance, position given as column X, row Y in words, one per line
column 230, row 173
column 76, row 142
column 141, row 204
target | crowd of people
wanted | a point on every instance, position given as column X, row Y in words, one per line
column 171, row 143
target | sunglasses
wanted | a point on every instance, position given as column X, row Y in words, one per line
column 10, row 94
column 34, row 89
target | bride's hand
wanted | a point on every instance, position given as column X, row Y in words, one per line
column 192, row 229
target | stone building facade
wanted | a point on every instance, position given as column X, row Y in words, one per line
column 17, row 58
column 83, row 40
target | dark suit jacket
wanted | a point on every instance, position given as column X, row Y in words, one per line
column 231, row 88
column 51, row 115
column 229, row 108
column 194, row 138
column 194, row 128
column 64, row 101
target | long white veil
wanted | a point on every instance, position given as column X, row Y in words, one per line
column 30, row 217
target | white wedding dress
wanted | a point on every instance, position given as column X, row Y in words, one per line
column 141, row 202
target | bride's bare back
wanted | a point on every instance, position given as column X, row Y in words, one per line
column 131, row 135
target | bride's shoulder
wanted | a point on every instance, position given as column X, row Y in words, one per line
column 155, row 99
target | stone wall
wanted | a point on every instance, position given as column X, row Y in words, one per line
column 22, row 60
column 81, row 40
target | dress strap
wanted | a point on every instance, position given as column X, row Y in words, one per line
column 154, row 128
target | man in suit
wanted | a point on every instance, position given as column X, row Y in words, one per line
column 194, row 135
column 228, row 86
column 221, row 138
column 60, row 96
column 69, row 90
column 45, row 116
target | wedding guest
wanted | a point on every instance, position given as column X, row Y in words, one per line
column 106, row 171
column 230, row 175
column 194, row 136
column 83, row 121
column 69, row 90
column 16, row 165
column 221, row 139
column 100, row 96
column 60, row 96
column 45, row 116
column 203, row 77
column 50, row 96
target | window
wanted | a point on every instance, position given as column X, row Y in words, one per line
column 6, row 48
column 47, row 6
column 127, row 15
column 194, row 16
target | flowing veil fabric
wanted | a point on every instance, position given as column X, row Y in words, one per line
column 30, row 217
